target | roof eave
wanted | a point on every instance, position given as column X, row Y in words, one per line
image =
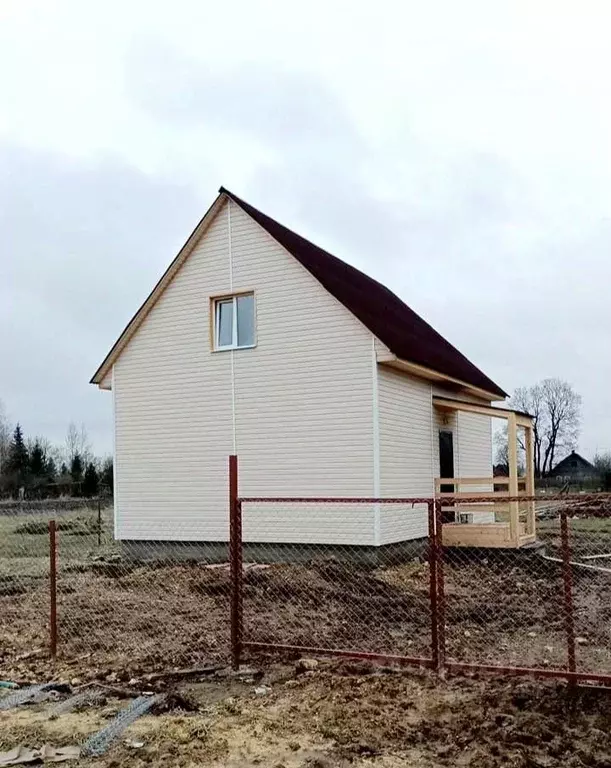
column 428, row 373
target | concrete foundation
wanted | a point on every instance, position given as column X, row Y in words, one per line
column 218, row 552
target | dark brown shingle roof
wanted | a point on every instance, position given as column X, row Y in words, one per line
column 404, row 332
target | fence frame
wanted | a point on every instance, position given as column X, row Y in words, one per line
column 435, row 556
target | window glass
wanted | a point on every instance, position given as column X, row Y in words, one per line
column 224, row 323
column 246, row 320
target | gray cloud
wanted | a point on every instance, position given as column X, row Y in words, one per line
column 270, row 104
column 82, row 245
column 462, row 235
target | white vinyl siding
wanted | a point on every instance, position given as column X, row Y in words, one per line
column 405, row 453
column 304, row 415
column 472, row 444
column 475, row 457
column 409, row 449
column 298, row 405
column 297, row 408
column 173, row 409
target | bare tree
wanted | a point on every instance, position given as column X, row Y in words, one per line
column 77, row 442
column 602, row 464
column 556, row 411
column 5, row 437
column 530, row 400
column 501, row 451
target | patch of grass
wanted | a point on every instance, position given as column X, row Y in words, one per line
column 78, row 526
column 24, row 538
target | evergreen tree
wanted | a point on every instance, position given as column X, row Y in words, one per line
column 76, row 468
column 76, row 473
column 50, row 469
column 17, row 463
column 90, row 481
column 106, row 476
column 37, row 460
column 64, row 469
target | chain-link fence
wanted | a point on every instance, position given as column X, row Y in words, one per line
column 118, row 606
column 541, row 608
column 332, row 597
column 331, row 586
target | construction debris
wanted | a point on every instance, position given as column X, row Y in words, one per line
column 87, row 697
column 46, row 754
column 33, row 694
column 98, row 743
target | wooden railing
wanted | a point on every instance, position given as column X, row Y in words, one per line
column 457, row 482
column 519, row 515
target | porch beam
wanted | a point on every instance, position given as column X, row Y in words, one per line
column 486, row 410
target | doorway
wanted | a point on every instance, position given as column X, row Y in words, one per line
column 446, row 469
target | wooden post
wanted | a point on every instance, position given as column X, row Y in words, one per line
column 530, row 478
column 512, row 456
column 53, row 588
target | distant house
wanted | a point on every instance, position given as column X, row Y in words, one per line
column 574, row 469
column 257, row 342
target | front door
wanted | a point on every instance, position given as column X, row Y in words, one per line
column 446, row 469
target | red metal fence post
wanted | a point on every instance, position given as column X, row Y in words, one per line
column 568, row 591
column 53, row 587
column 235, row 562
column 440, row 591
column 433, row 558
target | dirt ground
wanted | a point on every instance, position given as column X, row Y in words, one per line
column 128, row 618
column 340, row 715
column 121, row 619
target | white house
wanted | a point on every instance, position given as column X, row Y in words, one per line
column 259, row 343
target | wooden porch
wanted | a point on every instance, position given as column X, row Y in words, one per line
column 477, row 511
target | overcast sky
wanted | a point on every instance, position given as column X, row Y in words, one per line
column 458, row 152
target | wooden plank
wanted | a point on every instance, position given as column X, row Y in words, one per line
column 470, row 480
column 486, row 410
column 512, row 458
column 428, row 373
column 476, row 535
column 522, row 480
column 474, row 495
column 530, row 477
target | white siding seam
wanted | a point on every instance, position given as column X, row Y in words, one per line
column 115, row 484
column 233, row 416
column 234, row 441
column 229, row 242
column 375, row 404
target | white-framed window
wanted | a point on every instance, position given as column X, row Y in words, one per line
column 234, row 322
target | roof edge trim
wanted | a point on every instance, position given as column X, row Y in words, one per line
column 430, row 373
column 159, row 288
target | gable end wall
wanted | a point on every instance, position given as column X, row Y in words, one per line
column 297, row 409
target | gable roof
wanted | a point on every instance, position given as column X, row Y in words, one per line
column 404, row 332
column 395, row 324
column 567, row 464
